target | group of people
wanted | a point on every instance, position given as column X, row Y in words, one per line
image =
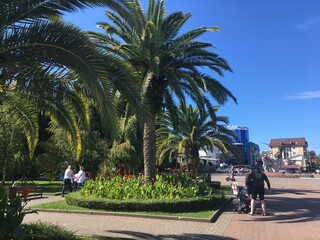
column 70, row 178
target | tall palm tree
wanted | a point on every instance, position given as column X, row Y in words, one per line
column 35, row 43
column 194, row 132
column 168, row 63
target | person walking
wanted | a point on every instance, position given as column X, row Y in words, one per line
column 81, row 178
column 68, row 175
column 258, row 178
column 231, row 172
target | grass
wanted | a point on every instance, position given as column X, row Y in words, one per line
column 50, row 186
column 62, row 205
column 205, row 214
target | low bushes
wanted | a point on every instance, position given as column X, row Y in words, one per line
column 164, row 205
column 42, row 231
column 284, row 175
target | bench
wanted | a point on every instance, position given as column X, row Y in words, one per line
column 27, row 187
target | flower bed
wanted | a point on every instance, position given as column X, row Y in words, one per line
column 167, row 192
column 167, row 186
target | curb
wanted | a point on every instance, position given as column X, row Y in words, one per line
column 217, row 214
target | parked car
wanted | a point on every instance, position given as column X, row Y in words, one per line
column 222, row 170
column 282, row 170
column 317, row 171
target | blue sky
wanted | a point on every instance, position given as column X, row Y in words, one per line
column 273, row 48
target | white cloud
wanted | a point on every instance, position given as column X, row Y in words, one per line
column 308, row 24
column 303, row 95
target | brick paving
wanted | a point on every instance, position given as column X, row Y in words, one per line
column 293, row 206
column 294, row 213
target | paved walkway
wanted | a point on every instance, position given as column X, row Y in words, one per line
column 294, row 213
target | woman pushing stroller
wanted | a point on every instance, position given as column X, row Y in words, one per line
column 257, row 179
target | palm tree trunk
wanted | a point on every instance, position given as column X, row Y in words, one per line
column 196, row 159
column 149, row 149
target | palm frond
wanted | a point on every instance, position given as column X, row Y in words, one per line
column 24, row 114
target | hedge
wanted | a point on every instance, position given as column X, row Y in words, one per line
column 168, row 205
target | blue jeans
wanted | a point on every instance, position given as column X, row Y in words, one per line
column 66, row 183
column 78, row 186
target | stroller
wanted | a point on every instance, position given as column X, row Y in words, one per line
column 241, row 193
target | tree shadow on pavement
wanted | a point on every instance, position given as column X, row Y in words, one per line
column 139, row 235
column 294, row 191
column 291, row 206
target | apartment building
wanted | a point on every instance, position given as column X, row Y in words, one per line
column 294, row 150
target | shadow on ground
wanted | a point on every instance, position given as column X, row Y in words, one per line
column 292, row 207
column 139, row 235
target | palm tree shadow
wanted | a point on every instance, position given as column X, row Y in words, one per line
column 140, row 235
column 286, row 209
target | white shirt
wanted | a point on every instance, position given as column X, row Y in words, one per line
column 81, row 176
column 68, row 174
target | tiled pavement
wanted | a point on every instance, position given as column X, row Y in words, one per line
column 293, row 206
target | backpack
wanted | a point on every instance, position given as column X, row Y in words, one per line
column 258, row 179
column 249, row 180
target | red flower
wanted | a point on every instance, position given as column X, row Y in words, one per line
column 120, row 185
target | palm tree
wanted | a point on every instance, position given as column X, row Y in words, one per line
column 194, row 132
column 51, row 97
column 40, row 92
column 168, row 65
column 35, row 44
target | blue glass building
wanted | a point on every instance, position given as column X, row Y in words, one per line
column 242, row 143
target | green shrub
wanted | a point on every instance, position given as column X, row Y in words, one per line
column 153, row 205
column 12, row 213
column 42, row 231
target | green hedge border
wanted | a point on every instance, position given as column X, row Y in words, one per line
column 289, row 175
column 171, row 205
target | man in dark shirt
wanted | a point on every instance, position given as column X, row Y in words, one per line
column 248, row 182
column 258, row 178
